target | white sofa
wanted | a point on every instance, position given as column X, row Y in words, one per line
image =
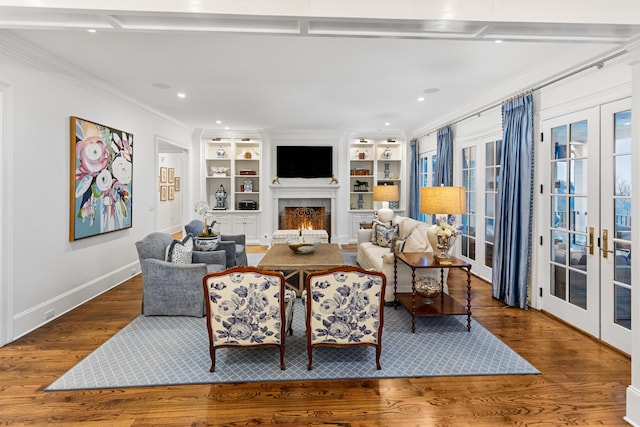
column 413, row 236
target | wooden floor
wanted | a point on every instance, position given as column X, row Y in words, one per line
column 583, row 382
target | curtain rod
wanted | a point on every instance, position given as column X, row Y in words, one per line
column 599, row 64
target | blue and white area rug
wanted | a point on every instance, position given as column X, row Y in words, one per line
column 175, row 350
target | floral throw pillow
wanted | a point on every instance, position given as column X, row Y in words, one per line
column 383, row 235
column 180, row 252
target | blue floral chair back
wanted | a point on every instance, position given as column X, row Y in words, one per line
column 247, row 307
column 344, row 307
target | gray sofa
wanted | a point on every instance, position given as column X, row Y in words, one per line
column 174, row 289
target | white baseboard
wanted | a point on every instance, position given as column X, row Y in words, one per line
column 633, row 406
column 39, row 315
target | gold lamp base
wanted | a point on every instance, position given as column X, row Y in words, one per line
column 443, row 259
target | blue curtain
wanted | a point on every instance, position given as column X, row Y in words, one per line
column 443, row 174
column 514, row 210
column 414, row 181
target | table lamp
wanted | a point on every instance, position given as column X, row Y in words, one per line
column 443, row 201
column 385, row 194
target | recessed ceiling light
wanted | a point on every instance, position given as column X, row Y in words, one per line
column 387, row 124
column 498, row 41
column 182, row 95
column 91, row 30
column 218, row 122
column 226, row 127
column 421, row 99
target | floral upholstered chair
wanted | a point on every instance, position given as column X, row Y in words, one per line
column 344, row 307
column 247, row 307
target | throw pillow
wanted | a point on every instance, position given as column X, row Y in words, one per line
column 416, row 241
column 384, row 235
column 180, row 252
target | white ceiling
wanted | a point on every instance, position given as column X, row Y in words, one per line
column 282, row 72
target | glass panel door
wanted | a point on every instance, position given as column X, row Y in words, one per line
column 588, row 245
column 616, row 220
column 571, row 261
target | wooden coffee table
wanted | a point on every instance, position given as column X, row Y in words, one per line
column 296, row 267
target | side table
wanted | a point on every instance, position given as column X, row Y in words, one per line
column 443, row 305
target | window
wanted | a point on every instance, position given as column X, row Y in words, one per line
column 492, row 177
column 469, row 218
column 427, row 172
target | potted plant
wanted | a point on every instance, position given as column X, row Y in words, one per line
column 209, row 238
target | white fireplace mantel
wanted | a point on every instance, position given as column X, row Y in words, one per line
column 303, row 191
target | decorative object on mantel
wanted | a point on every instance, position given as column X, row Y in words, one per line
column 221, row 195
column 385, row 194
column 275, row 180
column 334, row 180
column 448, row 201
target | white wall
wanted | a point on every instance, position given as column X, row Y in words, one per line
column 46, row 272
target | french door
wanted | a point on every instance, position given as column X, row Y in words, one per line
column 586, row 246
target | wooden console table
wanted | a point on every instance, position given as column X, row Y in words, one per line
column 443, row 305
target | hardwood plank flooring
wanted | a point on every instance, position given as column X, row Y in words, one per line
column 583, row 382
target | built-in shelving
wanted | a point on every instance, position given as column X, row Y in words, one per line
column 233, row 165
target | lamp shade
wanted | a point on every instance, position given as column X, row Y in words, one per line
column 442, row 200
column 385, row 193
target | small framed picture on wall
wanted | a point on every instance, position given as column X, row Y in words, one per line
column 163, row 174
column 171, row 190
column 177, row 183
column 171, row 175
column 163, row 193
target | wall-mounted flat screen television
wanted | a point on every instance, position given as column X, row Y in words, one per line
column 304, row 161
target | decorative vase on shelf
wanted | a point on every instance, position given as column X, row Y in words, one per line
column 220, row 153
column 387, row 172
column 387, row 153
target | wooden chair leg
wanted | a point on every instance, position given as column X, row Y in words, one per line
column 282, row 367
column 378, row 352
column 310, row 357
column 213, row 359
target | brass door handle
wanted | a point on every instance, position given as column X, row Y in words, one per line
column 605, row 243
column 590, row 244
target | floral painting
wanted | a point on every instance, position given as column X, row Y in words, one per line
column 101, row 179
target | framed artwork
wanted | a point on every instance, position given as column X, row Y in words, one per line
column 163, row 174
column 171, row 190
column 101, row 184
column 171, row 175
column 177, row 183
column 163, row 193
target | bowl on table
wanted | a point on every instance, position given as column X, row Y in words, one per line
column 428, row 288
column 303, row 245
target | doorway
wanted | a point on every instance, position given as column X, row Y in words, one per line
column 586, row 242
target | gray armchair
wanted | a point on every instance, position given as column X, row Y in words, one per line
column 233, row 244
column 174, row 289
